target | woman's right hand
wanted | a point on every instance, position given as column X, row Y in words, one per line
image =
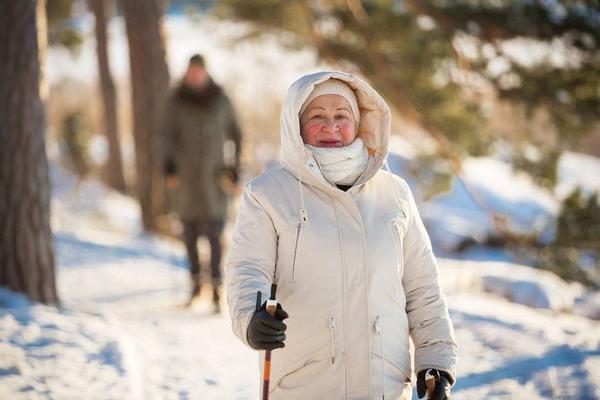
column 266, row 332
column 172, row 182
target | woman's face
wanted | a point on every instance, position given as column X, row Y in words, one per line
column 328, row 122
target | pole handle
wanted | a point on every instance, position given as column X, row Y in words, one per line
column 430, row 383
column 272, row 301
column 258, row 300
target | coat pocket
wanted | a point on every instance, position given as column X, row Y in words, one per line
column 397, row 226
column 296, row 253
column 311, row 360
column 289, row 253
column 309, row 373
column 392, row 369
column 303, row 377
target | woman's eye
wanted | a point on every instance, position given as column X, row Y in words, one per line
column 316, row 116
column 341, row 116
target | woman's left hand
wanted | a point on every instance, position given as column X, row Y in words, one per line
column 443, row 385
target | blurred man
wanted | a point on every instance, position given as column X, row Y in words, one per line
column 199, row 121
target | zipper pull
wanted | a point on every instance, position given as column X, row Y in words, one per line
column 332, row 322
column 398, row 224
column 378, row 327
column 303, row 215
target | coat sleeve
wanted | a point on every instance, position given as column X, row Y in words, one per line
column 429, row 322
column 233, row 132
column 250, row 262
column 169, row 132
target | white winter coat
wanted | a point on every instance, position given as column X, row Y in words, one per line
column 355, row 269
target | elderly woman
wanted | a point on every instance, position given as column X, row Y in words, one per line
column 344, row 242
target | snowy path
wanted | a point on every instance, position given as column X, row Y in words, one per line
column 170, row 352
column 179, row 355
column 123, row 335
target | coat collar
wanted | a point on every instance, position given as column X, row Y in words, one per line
column 200, row 97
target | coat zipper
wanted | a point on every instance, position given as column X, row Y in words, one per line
column 344, row 305
column 298, row 232
column 379, row 331
column 331, row 331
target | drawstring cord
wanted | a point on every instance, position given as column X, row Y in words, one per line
column 332, row 333
column 379, row 331
column 303, row 212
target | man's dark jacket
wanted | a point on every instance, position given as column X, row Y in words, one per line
column 197, row 124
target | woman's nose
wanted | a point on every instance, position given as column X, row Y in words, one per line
column 330, row 125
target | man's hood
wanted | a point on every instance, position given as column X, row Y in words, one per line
column 374, row 127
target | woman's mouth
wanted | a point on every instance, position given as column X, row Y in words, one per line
column 329, row 143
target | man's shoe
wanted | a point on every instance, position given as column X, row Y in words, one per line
column 216, row 300
column 195, row 292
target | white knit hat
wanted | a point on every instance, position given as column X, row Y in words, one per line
column 333, row 86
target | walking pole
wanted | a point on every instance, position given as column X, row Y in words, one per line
column 271, row 308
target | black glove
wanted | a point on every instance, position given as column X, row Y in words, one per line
column 266, row 332
column 443, row 384
column 170, row 168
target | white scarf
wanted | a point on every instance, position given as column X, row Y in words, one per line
column 342, row 165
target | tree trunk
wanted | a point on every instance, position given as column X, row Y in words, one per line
column 113, row 170
column 26, row 256
column 149, row 82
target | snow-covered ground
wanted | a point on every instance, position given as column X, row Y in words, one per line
column 123, row 334
column 463, row 213
column 122, row 331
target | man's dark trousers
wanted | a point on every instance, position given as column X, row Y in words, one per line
column 192, row 230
